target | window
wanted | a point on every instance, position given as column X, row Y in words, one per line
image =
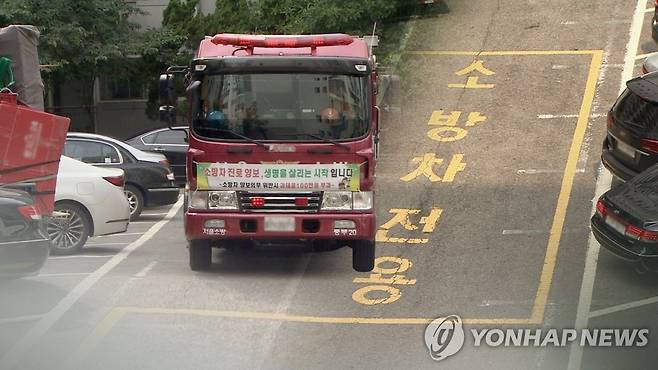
column 115, row 88
column 92, row 152
column 282, row 106
column 150, row 138
column 176, row 137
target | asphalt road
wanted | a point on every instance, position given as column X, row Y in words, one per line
column 491, row 169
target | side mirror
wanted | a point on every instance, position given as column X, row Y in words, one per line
column 166, row 89
column 167, row 114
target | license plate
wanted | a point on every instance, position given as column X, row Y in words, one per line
column 273, row 223
column 616, row 225
column 625, row 149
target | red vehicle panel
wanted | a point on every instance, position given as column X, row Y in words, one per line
column 31, row 143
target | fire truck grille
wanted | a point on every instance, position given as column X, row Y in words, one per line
column 270, row 202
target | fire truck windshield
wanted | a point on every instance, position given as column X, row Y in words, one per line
column 282, row 107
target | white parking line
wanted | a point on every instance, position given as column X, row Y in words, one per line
column 623, row 307
column 16, row 353
column 142, row 273
column 649, row 10
column 553, row 116
column 115, row 235
column 80, row 256
column 143, row 222
column 532, row 171
column 64, row 274
column 11, row 320
column 99, row 244
column 154, row 214
column 603, row 183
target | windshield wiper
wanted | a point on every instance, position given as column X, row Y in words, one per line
column 326, row 140
column 259, row 143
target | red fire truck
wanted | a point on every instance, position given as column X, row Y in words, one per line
column 283, row 142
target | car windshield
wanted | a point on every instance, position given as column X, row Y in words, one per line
column 282, row 107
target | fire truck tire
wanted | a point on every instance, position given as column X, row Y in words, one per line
column 200, row 254
column 363, row 255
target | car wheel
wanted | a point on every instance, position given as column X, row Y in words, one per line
column 363, row 255
column 135, row 201
column 68, row 228
column 200, row 255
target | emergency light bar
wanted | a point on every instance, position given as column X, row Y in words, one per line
column 267, row 41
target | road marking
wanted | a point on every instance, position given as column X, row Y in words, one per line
column 275, row 316
column 532, row 171
column 11, row 320
column 80, row 256
column 64, row 274
column 95, row 337
column 603, row 183
column 115, row 235
column 142, row 273
column 153, row 214
column 552, row 116
column 623, row 307
column 502, row 52
column 99, row 244
column 142, row 222
column 11, row 358
column 649, row 10
column 550, row 259
column 539, row 231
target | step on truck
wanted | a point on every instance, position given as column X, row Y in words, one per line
column 282, row 143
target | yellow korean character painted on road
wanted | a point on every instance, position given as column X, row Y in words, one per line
column 383, row 278
column 402, row 217
column 426, row 165
column 448, row 130
column 472, row 81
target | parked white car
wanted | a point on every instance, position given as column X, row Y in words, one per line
column 89, row 201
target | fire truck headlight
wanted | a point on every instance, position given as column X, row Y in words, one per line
column 362, row 200
column 213, row 200
column 198, row 200
column 337, row 200
column 222, row 200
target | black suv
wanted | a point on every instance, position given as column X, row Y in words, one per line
column 631, row 145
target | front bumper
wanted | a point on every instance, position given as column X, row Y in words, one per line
column 622, row 247
column 308, row 226
column 162, row 196
column 23, row 258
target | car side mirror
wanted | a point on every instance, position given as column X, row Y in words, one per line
column 167, row 114
column 166, row 90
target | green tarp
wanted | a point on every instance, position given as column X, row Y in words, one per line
column 6, row 77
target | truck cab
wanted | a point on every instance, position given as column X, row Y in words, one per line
column 283, row 143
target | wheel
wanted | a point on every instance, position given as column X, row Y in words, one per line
column 68, row 229
column 135, row 201
column 200, row 255
column 363, row 255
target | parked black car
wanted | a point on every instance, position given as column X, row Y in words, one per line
column 626, row 218
column 631, row 145
column 146, row 183
column 171, row 143
column 24, row 244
